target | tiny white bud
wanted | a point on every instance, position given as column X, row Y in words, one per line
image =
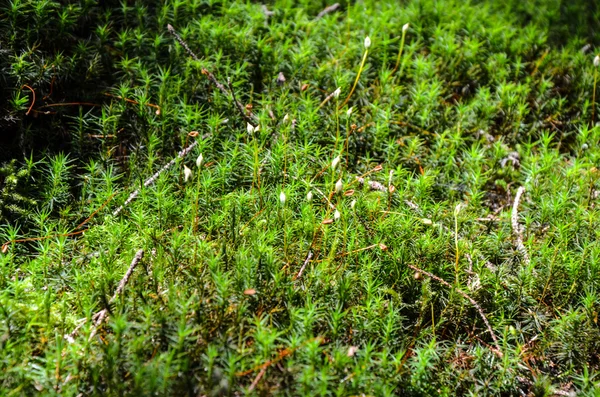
column 349, row 111
column 353, row 204
column 286, row 118
column 249, row 128
column 337, row 215
column 335, row 162
column 457, row 209
column 337, row 92
column 367, row 42
column 309, row 195
column 282, row 197
column 405, row 27
column 199, row 160
column 339, row 185
column 597, row 61
column 187, row 173
column 352, row 351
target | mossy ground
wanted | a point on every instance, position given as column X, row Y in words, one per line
column 376, row 288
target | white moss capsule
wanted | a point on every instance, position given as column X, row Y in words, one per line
column 187, row 173
column 367, row 42
column 339, row 185
column 282, row 198
column 335, row 162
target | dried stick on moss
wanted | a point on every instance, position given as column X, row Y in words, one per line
column 327, row 10
column 207, row 73
column 102, row 315
column 154, row 177
column 306, row 261
column 467, row 297
column 136, row 259
column 517, row 229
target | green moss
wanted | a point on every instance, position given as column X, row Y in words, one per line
column 383, row 288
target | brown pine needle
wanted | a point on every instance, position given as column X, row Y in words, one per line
column 32, row 101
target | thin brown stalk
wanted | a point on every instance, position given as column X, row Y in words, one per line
column 32, row 101
column 325, row 197
column 238, row 105
column 134, row 102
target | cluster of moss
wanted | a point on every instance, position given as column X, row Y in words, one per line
column 269, row 268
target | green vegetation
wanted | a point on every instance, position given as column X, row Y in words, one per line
column 430, row 229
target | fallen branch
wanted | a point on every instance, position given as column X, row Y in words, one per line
column 518, row 229
column 154, row 177
column 207, row 73
column 467, row 297
column 327, row 10
column 306, row 261
column 102, row 315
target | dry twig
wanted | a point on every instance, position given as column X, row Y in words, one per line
column 154, row 177
column 327, row 10
column 518, row 229
column 102, row 315
column 306, row 261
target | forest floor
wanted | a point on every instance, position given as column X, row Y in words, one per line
column 229, row 198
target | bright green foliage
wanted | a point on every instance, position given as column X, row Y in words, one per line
column 488, row 97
